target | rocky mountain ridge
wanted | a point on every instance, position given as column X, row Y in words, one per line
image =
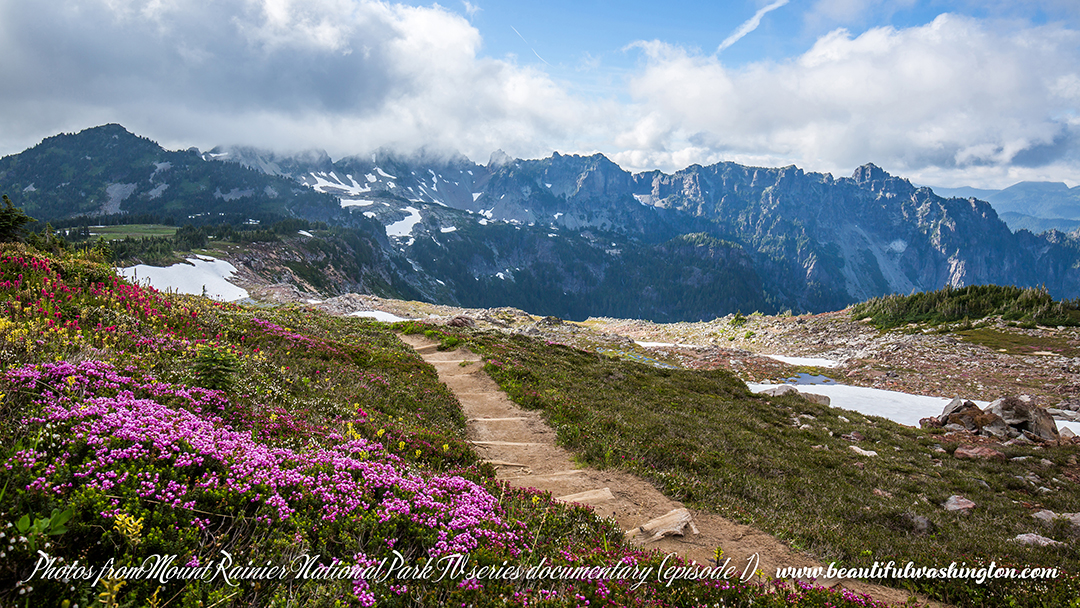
column 816, row 241
column 569, row 235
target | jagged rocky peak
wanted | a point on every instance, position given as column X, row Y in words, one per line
column 499, row 159
column 875, row 179
column 870, row 173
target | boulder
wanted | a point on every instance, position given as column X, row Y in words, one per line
column 1025, row 417
column 783, row 389
column 461, row 321
column 815, row 398
column 1035, row 539
column 977, row 451
column 953, row 406
column 959, row 504
column 931, row 422
column 974, row 419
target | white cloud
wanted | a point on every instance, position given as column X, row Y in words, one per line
column 956, row 100
column 345, row 75
column 749, row 25
column 953, row 96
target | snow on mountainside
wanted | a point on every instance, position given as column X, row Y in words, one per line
column 818, row 242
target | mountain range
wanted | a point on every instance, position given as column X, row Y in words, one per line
column 569, row 235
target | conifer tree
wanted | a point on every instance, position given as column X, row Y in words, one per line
column 12, row 221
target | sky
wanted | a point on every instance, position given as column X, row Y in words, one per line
column 944, row 92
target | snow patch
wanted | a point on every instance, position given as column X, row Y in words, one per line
column 384, row 173
column 371, row 178
column 808, row 361
column 339, row 187
column 158, row 167
column 405, row 226
column 356, row 202
column 898, row 407
column 157, row 191
column 305, row 233
column 558, row 215
column 476, row 195
column 378, row 315
column 449, row 229
column 199, row 273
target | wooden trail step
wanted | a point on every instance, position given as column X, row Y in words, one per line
column 457, row 361
column 545, row 476
column 504, row 463
column 588, row 496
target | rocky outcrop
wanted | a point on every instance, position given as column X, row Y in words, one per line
column 1024, row 416
column 1007, row 418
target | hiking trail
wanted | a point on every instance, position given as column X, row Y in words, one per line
column 521, row 447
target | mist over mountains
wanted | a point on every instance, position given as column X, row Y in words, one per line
column 574, row 236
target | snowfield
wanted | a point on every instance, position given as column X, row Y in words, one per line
column 378, row 315
column 404, row 227
column 198, row 274
column 898, row 407
column 808, row 361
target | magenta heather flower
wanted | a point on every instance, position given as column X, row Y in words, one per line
column 116, row 424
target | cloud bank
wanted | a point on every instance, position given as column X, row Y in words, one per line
column 958, row 100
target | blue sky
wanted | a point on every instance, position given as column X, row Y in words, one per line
column 947, row 93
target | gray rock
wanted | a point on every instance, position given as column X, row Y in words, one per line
column 953, row 406
column 959, row 504
column 1026, row 417
column 815, row 398
column 783, row 389
column 1045, row 516
column 1035, row 539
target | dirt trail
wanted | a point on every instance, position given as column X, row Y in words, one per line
column 522, row 448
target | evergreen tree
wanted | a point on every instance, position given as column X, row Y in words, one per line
column 12, row 221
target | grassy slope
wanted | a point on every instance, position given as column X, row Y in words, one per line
column 703, row 438
column 312, row 435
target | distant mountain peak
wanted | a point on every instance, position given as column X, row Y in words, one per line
column 498, row 159
column 870, row 173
